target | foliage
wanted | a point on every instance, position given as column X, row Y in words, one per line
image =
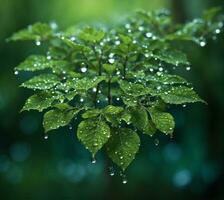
column 121, row 81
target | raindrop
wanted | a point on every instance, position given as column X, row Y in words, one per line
column 124, row 178
column 16, row 72
column 141, row 28
column 111, row 171
column 160, row 69
column 184, row 105
column 111, row 55
column 117, row 42
column 146, row 55
column 94, row 89
column 111, row 60
column 48, row 57
column 53, row 25
column 188, row 68
column 81, row 99
column 46, row 137
column 156, row 142
column 148, row 35
column 127, row 26
column 70, row 127
column 134, row 42
column 217, row 31
column 93, row 160
column 202, row 43
column 117, row 98
column 129, row 30
column 83, row 69
column 38, row 43
column 73, row 38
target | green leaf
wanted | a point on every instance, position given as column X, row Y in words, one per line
column 163, row 121
column 166, row 79
column 91, row 113
column 34, row 63
column 112, row 110
column 123, row 146
column 134, row 89
column 59, row 117
column 171, row 56
column 139, row 117
column 41, row 101
column 91, row 35
column 109, row 68
column 181, row 95
column 38, row 31
column 93, row 133
column 42, row 82
column 150, row 128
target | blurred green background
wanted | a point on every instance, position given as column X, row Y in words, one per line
column 190, row 166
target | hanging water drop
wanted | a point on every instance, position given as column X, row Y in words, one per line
column 148, row 35
column 217, row 31
column 83, row 69
column 141, row 28
column 48, row 57
column 46, row 137
column 73, row 38
column 111, row 60
column 188, row 68
column 117, row 98
column 184, row 105
column 94, row 89
column 117, row 42
column 111, row 171
column 160, row 69
column 70, row 127
column 93, row 160
column 156, row 142
column 202, row 43
column 81, row 99
column 16, row 72
column 38, row 43
column 124, row 178
column 146, row 55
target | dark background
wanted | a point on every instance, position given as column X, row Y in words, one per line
column 189, row 166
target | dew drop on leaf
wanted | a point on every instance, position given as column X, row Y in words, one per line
column 141, row 28
column 117, row 42
column 81, row 99
column 111, row 60
column 156, row 142
column 217, row 31
column 202, row 43
column 93, row 160
column 16, row 72
column 38, row 43
column 184, row 105
column 46, row 137
column 111, row 171
column 83, row 69
column 188, row 68
column 148, row 35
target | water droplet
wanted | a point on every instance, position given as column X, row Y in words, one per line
column 156, row 142
column 111, row 60
column 81, row 99
column 111, row 55
column 93, row 160
column 83, row 69
column 46, row 137
column 188, row 68
column 73, row 38
column 141, row 28
column 117, row 98
column 146, row 55
column 148, row 35
column 184, row 105
column 124, row 178
column 16, row 72
column 94, row 89
column 134, row 42
column 129, row 30
column 160, row 69
column 127, row 26
column 70, row 127
column 117, row 42
column 217, row 31
column 49, row 57
column 111, row 171
column 158, row 88
column 202, row 43
column 38, row 43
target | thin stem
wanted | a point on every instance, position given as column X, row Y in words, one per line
column 109, row 92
